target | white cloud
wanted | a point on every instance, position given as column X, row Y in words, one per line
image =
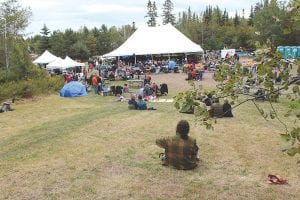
column 62, row 14
column 38, row 4
column 111, row 8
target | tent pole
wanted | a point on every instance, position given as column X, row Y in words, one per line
column 118, row 61
column 134, row 59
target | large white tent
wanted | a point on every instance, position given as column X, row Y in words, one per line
column 45, row 58
column 164, row 39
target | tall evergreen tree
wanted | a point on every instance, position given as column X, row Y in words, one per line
column 236, row 20
column 168, row 16
column 152, row 13
column 45, row 32
column 250, row 19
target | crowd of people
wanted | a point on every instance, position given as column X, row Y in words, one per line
column 181, row 150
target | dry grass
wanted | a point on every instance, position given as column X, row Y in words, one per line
column 94, row 148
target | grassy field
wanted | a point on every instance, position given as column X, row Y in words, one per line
column 95, row 148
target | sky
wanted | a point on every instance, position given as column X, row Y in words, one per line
column 62, row 14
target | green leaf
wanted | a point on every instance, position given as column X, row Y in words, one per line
column 293, row 151
column 285, row 137
column 288, row 113
column 196, row 103
column 177, row 105
column 296, row 89
column 272, row 115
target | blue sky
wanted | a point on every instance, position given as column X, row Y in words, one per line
column 62, row 14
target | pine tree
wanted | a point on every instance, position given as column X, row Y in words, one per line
column 250, row 19
column 152, row 13
column 168, row 16
column 224, row 18
column 44, row 45
column 236, row 19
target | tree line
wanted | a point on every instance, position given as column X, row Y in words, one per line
column 269, row 21
column 213, row 29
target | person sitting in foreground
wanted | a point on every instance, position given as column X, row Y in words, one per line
column 181, row 150
column 216, row 109
column 132, row 104
column 227, row 109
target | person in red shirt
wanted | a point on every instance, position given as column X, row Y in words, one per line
column 68, row 78
column 154, row 88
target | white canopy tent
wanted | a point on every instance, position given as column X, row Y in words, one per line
column 59, row 63
column 72, row 63
column 66, row 63
column 164, row 39
column 45, row 58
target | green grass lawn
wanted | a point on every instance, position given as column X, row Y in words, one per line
column 94, row 148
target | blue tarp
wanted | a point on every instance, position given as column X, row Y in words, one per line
column 73, row 89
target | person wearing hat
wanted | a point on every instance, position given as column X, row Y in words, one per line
column 181, row 150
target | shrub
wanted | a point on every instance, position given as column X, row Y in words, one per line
column 31, row 87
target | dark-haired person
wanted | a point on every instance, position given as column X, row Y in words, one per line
column 227, row 109
column 141, row 104
column 216, row 109
column 132, row 104
column 181, row 150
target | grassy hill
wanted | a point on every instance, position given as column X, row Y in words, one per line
column 95, row 148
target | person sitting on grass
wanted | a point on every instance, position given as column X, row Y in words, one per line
column 132, row 104
column 125, row 88
column 227, row 109
column 141, row 104
column 181, row 150
column 216, row 109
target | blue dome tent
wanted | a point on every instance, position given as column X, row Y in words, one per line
column 73, row 89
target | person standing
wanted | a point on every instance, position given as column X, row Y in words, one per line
column 95, row 83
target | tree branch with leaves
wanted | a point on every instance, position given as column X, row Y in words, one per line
column 272, row 78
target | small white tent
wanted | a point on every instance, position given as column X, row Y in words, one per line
column 66, row 63
column 72, row 63
column 45, row 58
column 164, row 39
column 59, row 63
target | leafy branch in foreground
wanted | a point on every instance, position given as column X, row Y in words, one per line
column 270, row 79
